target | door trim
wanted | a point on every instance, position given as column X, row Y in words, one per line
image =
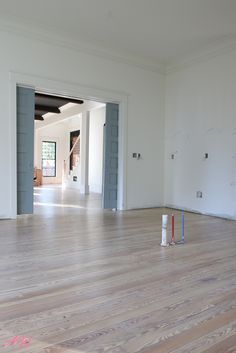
column 72, row 90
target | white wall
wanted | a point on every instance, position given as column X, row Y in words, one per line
column 201, row 117
column 97, row 120
column 145, row 109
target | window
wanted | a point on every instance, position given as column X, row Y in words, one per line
column 49, row 159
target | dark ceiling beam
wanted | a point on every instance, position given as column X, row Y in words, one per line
column 47, row 109
column 38, row 117
column 64, row 100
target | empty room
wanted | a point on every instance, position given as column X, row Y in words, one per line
column 118, row 176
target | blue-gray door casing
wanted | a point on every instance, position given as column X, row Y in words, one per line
column 25, row 149
column 110, row 164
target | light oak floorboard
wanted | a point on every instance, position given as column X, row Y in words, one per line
column 98, row 281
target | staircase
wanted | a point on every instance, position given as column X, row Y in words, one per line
column 71, row 178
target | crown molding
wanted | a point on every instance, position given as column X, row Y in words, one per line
column 50, row 36
column 208, row 54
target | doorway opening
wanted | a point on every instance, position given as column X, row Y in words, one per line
column 75, row 154
column 75, row 149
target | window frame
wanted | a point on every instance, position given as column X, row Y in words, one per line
column 55, row 159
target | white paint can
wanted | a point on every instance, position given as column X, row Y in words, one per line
column 164, row 230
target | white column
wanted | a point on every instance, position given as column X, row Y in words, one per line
column 84, row 153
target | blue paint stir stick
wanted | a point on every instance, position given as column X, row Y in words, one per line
column 182, row 227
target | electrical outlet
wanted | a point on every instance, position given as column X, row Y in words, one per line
column 136, row 155
column 199, row 194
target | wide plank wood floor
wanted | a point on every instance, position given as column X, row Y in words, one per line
column 94, row 281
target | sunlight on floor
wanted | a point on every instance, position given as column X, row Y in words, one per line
column 53, row 199
column 56, row 205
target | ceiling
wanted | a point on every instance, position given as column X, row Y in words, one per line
column 45, row 104
column 155, row 31
column 67, row 112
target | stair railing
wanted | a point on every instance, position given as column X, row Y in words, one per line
column 64, row 167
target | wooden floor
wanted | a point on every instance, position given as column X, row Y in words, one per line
column 54, row 200
column 92, row 281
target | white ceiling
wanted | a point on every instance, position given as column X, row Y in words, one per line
column 68, row 111
column 155, row 31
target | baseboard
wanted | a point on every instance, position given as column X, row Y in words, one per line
column 186, row 209
column 143, row 207
column 97, row 189
column 4, row 218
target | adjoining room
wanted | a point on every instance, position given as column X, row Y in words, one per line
column 68, row 162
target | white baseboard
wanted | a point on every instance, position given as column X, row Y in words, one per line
column 224, row 216
column 95, row 188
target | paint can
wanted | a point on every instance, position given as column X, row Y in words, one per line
column 164, row 230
